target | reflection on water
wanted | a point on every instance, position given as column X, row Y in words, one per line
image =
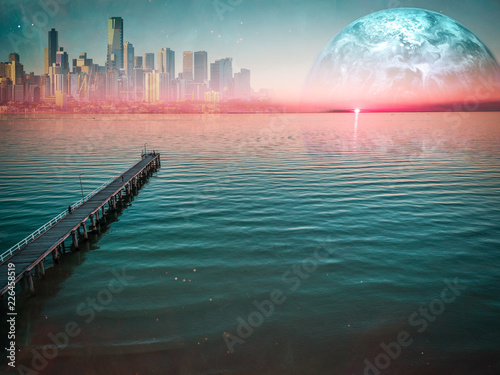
column 400, row 204
column 356, row 118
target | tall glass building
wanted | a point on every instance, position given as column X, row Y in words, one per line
column 200, row 66
column 115, row 43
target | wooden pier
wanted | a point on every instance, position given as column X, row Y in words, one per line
column 49, row 239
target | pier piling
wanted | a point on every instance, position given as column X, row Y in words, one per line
column 74, row 239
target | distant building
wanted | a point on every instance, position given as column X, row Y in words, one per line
column 16, row 73
column 13, row 79
column 46, row 60
column 242, row 88
column 214, row 76
column 61, row 99
column 14, row 57
column 148, row 61
column 200, row 66
column 138, row 62
column 5, row 90
column 97, row 89
column 44, row 86
column 53, row 47
column 138, row 83
column 226, row 76
column 221, row 77
column 63, row 60
column 170, row 63
column 36, row 96
column 128, row 55
column 162, row 60
column 73, row 88
column 166, row 62
column 187, row 65
column 112, row 92
column 115, row 43
column 83, row 64
column 212, row 96
column 196, row 91
column 179, row 89
column 156, row 87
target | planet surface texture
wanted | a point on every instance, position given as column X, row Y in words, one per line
column 402, row 58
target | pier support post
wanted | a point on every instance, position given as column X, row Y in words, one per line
column 113, row 200
column 55, row 256
column 75, row 240
column 63, row 247
column 42, row 268
column 103, row 217
column 120, row 195
column 30, row 282
column 85, row 234
column 92, row 220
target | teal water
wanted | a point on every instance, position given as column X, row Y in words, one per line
column 354, row 222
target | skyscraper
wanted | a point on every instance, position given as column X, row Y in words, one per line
column 200, row 66
column 166, row 62
column 16, row 71
column 187, row 65
column 46, row 65
column 171, row 63
column 138, row 82
column 14, row 57
column 138, row 62
column 128, row 55
column 242, row 87
column 53, row 46
column 148, row 61
column 226, row 76
column 156, row 87
column 162, row 60
column 214, row 76
column 221, row 76
column 115, row 43
column 63, row 60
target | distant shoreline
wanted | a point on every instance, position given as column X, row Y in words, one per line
column 239, row 107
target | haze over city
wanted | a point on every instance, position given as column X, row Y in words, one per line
column 277, row 41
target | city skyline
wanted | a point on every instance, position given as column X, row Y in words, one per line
column 125, row 76
column 277, row 40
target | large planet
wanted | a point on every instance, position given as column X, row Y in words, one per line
column 403, row 58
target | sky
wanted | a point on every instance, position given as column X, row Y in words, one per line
column 278, row 40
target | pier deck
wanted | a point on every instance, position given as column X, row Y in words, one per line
column 34, row 252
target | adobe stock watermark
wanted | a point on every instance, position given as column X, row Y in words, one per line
column 292, row 278
column 31, row 28
column 223, row 6
column 94, row 140
column 249, row 147
column 420, row 320
column 72, row 329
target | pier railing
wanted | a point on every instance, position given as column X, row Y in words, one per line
column 18, row 246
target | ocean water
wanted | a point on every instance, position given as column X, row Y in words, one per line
column 265, row 244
